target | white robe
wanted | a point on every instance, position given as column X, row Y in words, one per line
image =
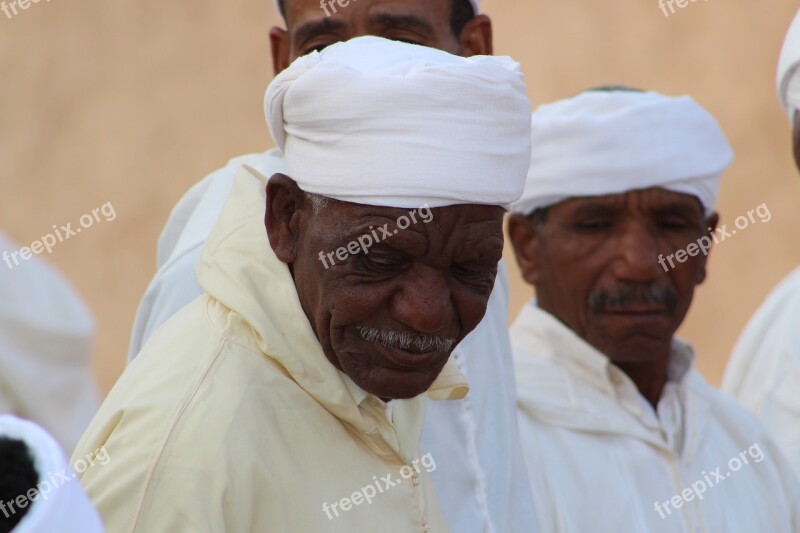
column 763, row 372
column 480, row 481
column 45, row 343
column 600, row 459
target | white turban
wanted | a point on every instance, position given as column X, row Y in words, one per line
column 476, row 5
column 789, row 69
column 609, row 142
column 62, row 505
column 385, row 123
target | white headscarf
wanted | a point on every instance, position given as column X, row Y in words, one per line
column 789, row 68
column 609, row 142
column 61, row 505
column 385, row 123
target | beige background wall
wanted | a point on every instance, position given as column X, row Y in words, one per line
column 132, row 102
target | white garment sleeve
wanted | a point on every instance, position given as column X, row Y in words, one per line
column 182, row 239
column 763, row 372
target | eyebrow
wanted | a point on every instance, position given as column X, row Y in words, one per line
column 315, row 27
column 681, row 209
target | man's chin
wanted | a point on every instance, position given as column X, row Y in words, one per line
column 394, row 387
column 633, row 351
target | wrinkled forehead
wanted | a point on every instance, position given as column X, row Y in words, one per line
column 346, row 218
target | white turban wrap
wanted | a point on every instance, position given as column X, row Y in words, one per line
column 476, row 5
column 609, row 142
column 385, row 123
column 789, row 69
column 62, row 504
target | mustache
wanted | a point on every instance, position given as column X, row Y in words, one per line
column 405, row 340
column 633, row 294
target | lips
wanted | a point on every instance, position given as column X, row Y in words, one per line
column 407, row 360
column 640, row 309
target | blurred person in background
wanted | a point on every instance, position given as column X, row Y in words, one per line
column 45, row 345
column 763, row 372
column 619, row 432
column 300, row 376
column 478, row 477
column 38, row 490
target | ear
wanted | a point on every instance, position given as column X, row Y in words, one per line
column 524, row 235
column 282, row 217
column 711, row 222
column 476, row 37
column 279, row 45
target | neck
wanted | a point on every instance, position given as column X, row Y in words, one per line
column 649, row 377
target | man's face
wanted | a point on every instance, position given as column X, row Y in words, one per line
column 429, row 283
column 425, row 22
column 595, row 264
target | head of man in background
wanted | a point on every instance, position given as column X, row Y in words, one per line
column 455, row 26
column 789, row 81
column 619, row 200
column 37, row 490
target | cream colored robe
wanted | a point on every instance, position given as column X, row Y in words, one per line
column 231, row 419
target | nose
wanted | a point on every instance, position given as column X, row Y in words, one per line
column 637, row 254
column 424, row 302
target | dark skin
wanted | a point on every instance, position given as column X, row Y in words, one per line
column 594, row 263
column 425, row 22
column 432, row 278
column 796, row 139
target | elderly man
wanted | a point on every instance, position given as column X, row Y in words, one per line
column 619, row 433
column 478, row 477
column 290, row 396
column 764, row 369
column 38, row 492
column 45, row 346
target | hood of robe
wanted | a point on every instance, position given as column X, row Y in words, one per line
column 239, row 269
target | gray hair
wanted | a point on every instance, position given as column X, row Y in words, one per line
column 318, row 203
column 405, row 340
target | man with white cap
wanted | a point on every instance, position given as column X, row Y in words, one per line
column 479, row 481
column 46, row 336
column 290, row 397
column 619, row 433
column 38, row 490
column 763, row 372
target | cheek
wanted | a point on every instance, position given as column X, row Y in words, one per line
column 470, row 310
column 355, row 303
